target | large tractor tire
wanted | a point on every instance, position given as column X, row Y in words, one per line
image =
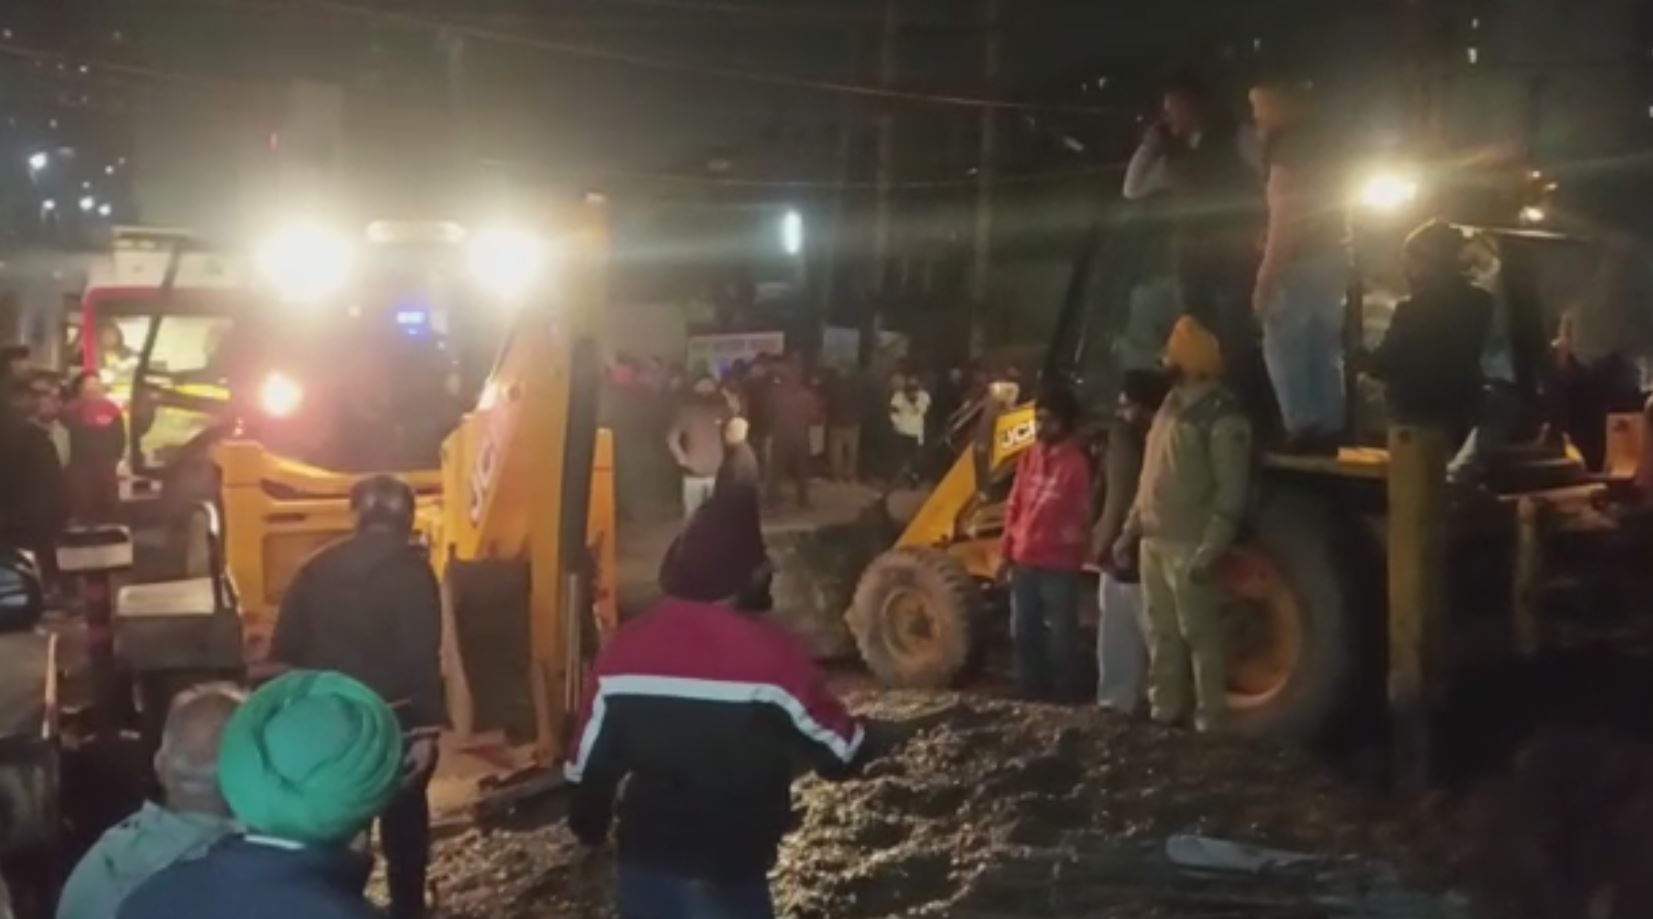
column 1289, row 618
column 915, row 617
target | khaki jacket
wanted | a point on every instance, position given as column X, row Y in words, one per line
column 1196, row 469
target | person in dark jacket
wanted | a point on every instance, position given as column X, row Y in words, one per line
column 369, row 607
column 34, row 493
column 1209, row 170
column 97, row 444
column 1430, row 359
column 304, row 765
column 700, row 708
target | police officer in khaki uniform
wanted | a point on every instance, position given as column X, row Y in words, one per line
column 1195, row 473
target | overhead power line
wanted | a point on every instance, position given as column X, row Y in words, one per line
column 220, row 86
column 607, row 55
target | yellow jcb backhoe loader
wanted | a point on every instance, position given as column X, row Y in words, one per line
column 519, row 521
column 1354, row 571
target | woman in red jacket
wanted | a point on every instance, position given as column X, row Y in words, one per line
column 1046, row 537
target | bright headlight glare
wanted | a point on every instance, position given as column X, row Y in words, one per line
column 1387, row 192
column 280, row 395
column 506, row 262
column 305, row 262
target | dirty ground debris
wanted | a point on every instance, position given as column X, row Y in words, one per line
column 989, row 808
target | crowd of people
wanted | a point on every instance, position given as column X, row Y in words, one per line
column 797, row 424
column 62, row 445
column 1257, row 353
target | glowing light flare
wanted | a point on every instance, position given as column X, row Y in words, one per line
column 1388, row 192
column 305, row 262
column 506, row 262
column 280, row 395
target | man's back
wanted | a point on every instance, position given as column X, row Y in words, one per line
column 707, row 710
column 1431, row 356
column 369, row 607
column 255, row 879
column 130, row 853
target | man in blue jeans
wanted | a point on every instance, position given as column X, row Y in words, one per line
column 1303, row 278
column 1046, row 537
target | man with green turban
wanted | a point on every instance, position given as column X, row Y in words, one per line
column 306, row 764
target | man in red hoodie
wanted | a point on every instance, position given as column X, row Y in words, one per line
column 1046, row 534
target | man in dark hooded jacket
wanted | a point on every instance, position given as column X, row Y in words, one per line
column 369, row 607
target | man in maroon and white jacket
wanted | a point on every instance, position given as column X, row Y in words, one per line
column 708, row 709
column 1046, row 537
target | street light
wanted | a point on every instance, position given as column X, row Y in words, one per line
column 87, row 202
column 104, row 210
column 38, row 161
column 48, row 205
column 792, row 232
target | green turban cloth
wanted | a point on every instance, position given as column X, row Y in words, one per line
column 311, row 757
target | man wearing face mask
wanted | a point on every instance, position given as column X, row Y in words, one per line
column 1195, row 474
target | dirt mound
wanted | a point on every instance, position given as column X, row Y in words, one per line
column 976, row 807
column 977, row 797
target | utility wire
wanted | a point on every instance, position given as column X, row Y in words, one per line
column 219, row 86
column 587, row 52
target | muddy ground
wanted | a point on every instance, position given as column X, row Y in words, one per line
column 984, row 807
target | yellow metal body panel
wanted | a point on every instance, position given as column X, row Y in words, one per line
column 497, row 496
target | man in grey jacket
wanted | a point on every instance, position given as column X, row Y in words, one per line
column 192, row 820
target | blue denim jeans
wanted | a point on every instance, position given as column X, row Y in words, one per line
column 1044, row 623
column 646, row 893
column 1303, row 344
column 1121, row 648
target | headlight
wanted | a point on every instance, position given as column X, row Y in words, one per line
column 1388, row 192
column 507, row 263
column 1533, row 214
column 305, row 262
column 280, row 395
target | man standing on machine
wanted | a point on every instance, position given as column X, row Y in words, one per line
column 1208, row 167
column 1304, row 273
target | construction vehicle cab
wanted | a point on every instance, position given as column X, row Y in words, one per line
column 457, row 360
column 1305, row 621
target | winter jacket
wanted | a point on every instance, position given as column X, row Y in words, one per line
column 1430, row 358
column 1195, row 471
column 1047, row 522
column 251, row 878
column 133, row 851
column 707, row 710
column 369, row 607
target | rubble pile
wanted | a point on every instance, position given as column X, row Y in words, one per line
column 983, row 807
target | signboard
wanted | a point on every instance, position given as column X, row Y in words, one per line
column 714, row 353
